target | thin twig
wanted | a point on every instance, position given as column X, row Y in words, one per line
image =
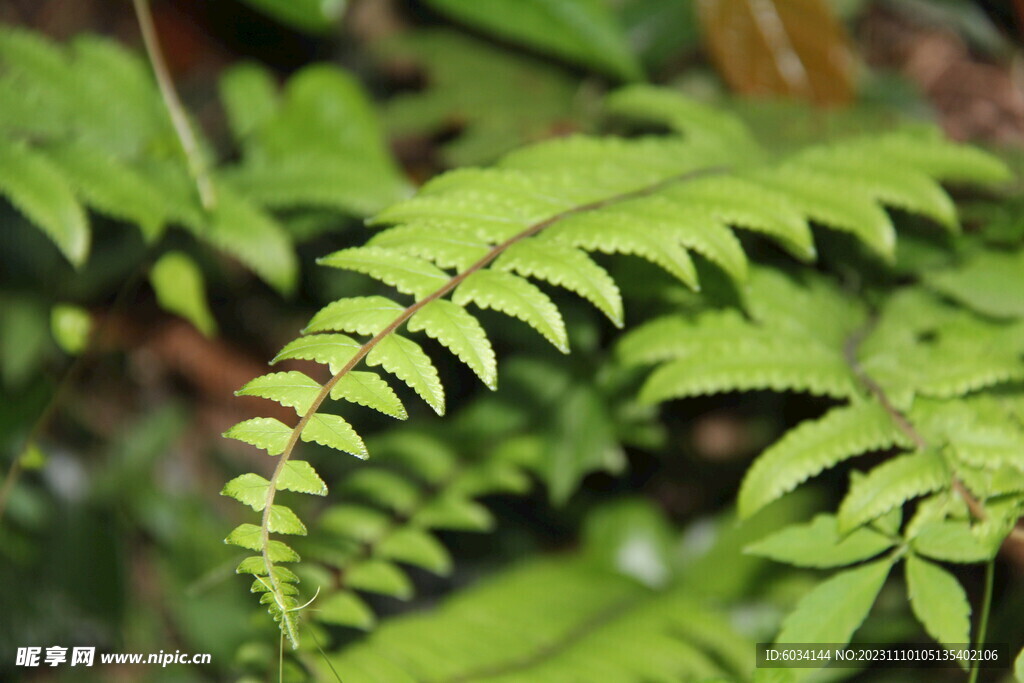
column 179, row 118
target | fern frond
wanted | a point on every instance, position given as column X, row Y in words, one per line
column 581, row 194
column 292, row 389
column 370, row 390
column 814, row 446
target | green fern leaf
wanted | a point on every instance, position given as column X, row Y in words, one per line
column 248, row 489
column 693, row 119
column 453, row 512
column 818, row 544
column 581, row 31
column 284, row 521
column 890, row 484
column 263, row 432
column 406, row 360
column 292, row 389
column 446, row 248
column 747, row 204
column 378, row 576
column 345, row 609
column 254, row 238
column 619, row 231
column 38, row 189
column 515, row 297
column 928, row 152
column 335, row 432
column 358, row 315
column 462, row 334
column 405, row 273
column 415, row 547
column 356, row 522
column 299, row 476
column 333, row 350
column 702, row 230
column 779, row 366
column 674, row 336
column 249, row 96
column 566, row 267
column 248, row 536
column 110, row 187
column 950, row 541
column 813, row 447
column 885, row 182
column 368, row 389
column 835, row 608
column 384, row 488
column 938, row 601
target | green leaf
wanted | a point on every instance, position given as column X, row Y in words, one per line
column 249, row 96
column 344, row 609
column 461, row 334
column 335, row 432
column 333, row 350
column 405, row 273
column 71, row 327
column 248, row 489
column 780, row 366
column 292, row 389
column 314, row 16
column 253, row 237
column 279, row 552
column 38, row 189
column 815, row 446
column 990, row 282
column 453, row 512
column 516, row 297
column 370, row 390
column 950, row 541
column 299, row 476
column 356, row 521
column 263, row 432
column 110, row 186
column 618, row 230
column 818, row 544
column 890, row 484
column 364, row 315
column 406, row 360
column 938, row 601
column 383, row 487
column 415, row 547
column 358, row 315
column 567, row 267
column 247, row 536
column 378, row 576
column 180, row 288
column 1018, row 666
column 836, row 607
column 581, row 31
column 284, row 521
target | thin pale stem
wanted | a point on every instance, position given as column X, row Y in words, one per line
column 986, row 608
column 179, row 118
column 409, row 312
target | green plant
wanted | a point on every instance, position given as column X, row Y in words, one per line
column 538, row 212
